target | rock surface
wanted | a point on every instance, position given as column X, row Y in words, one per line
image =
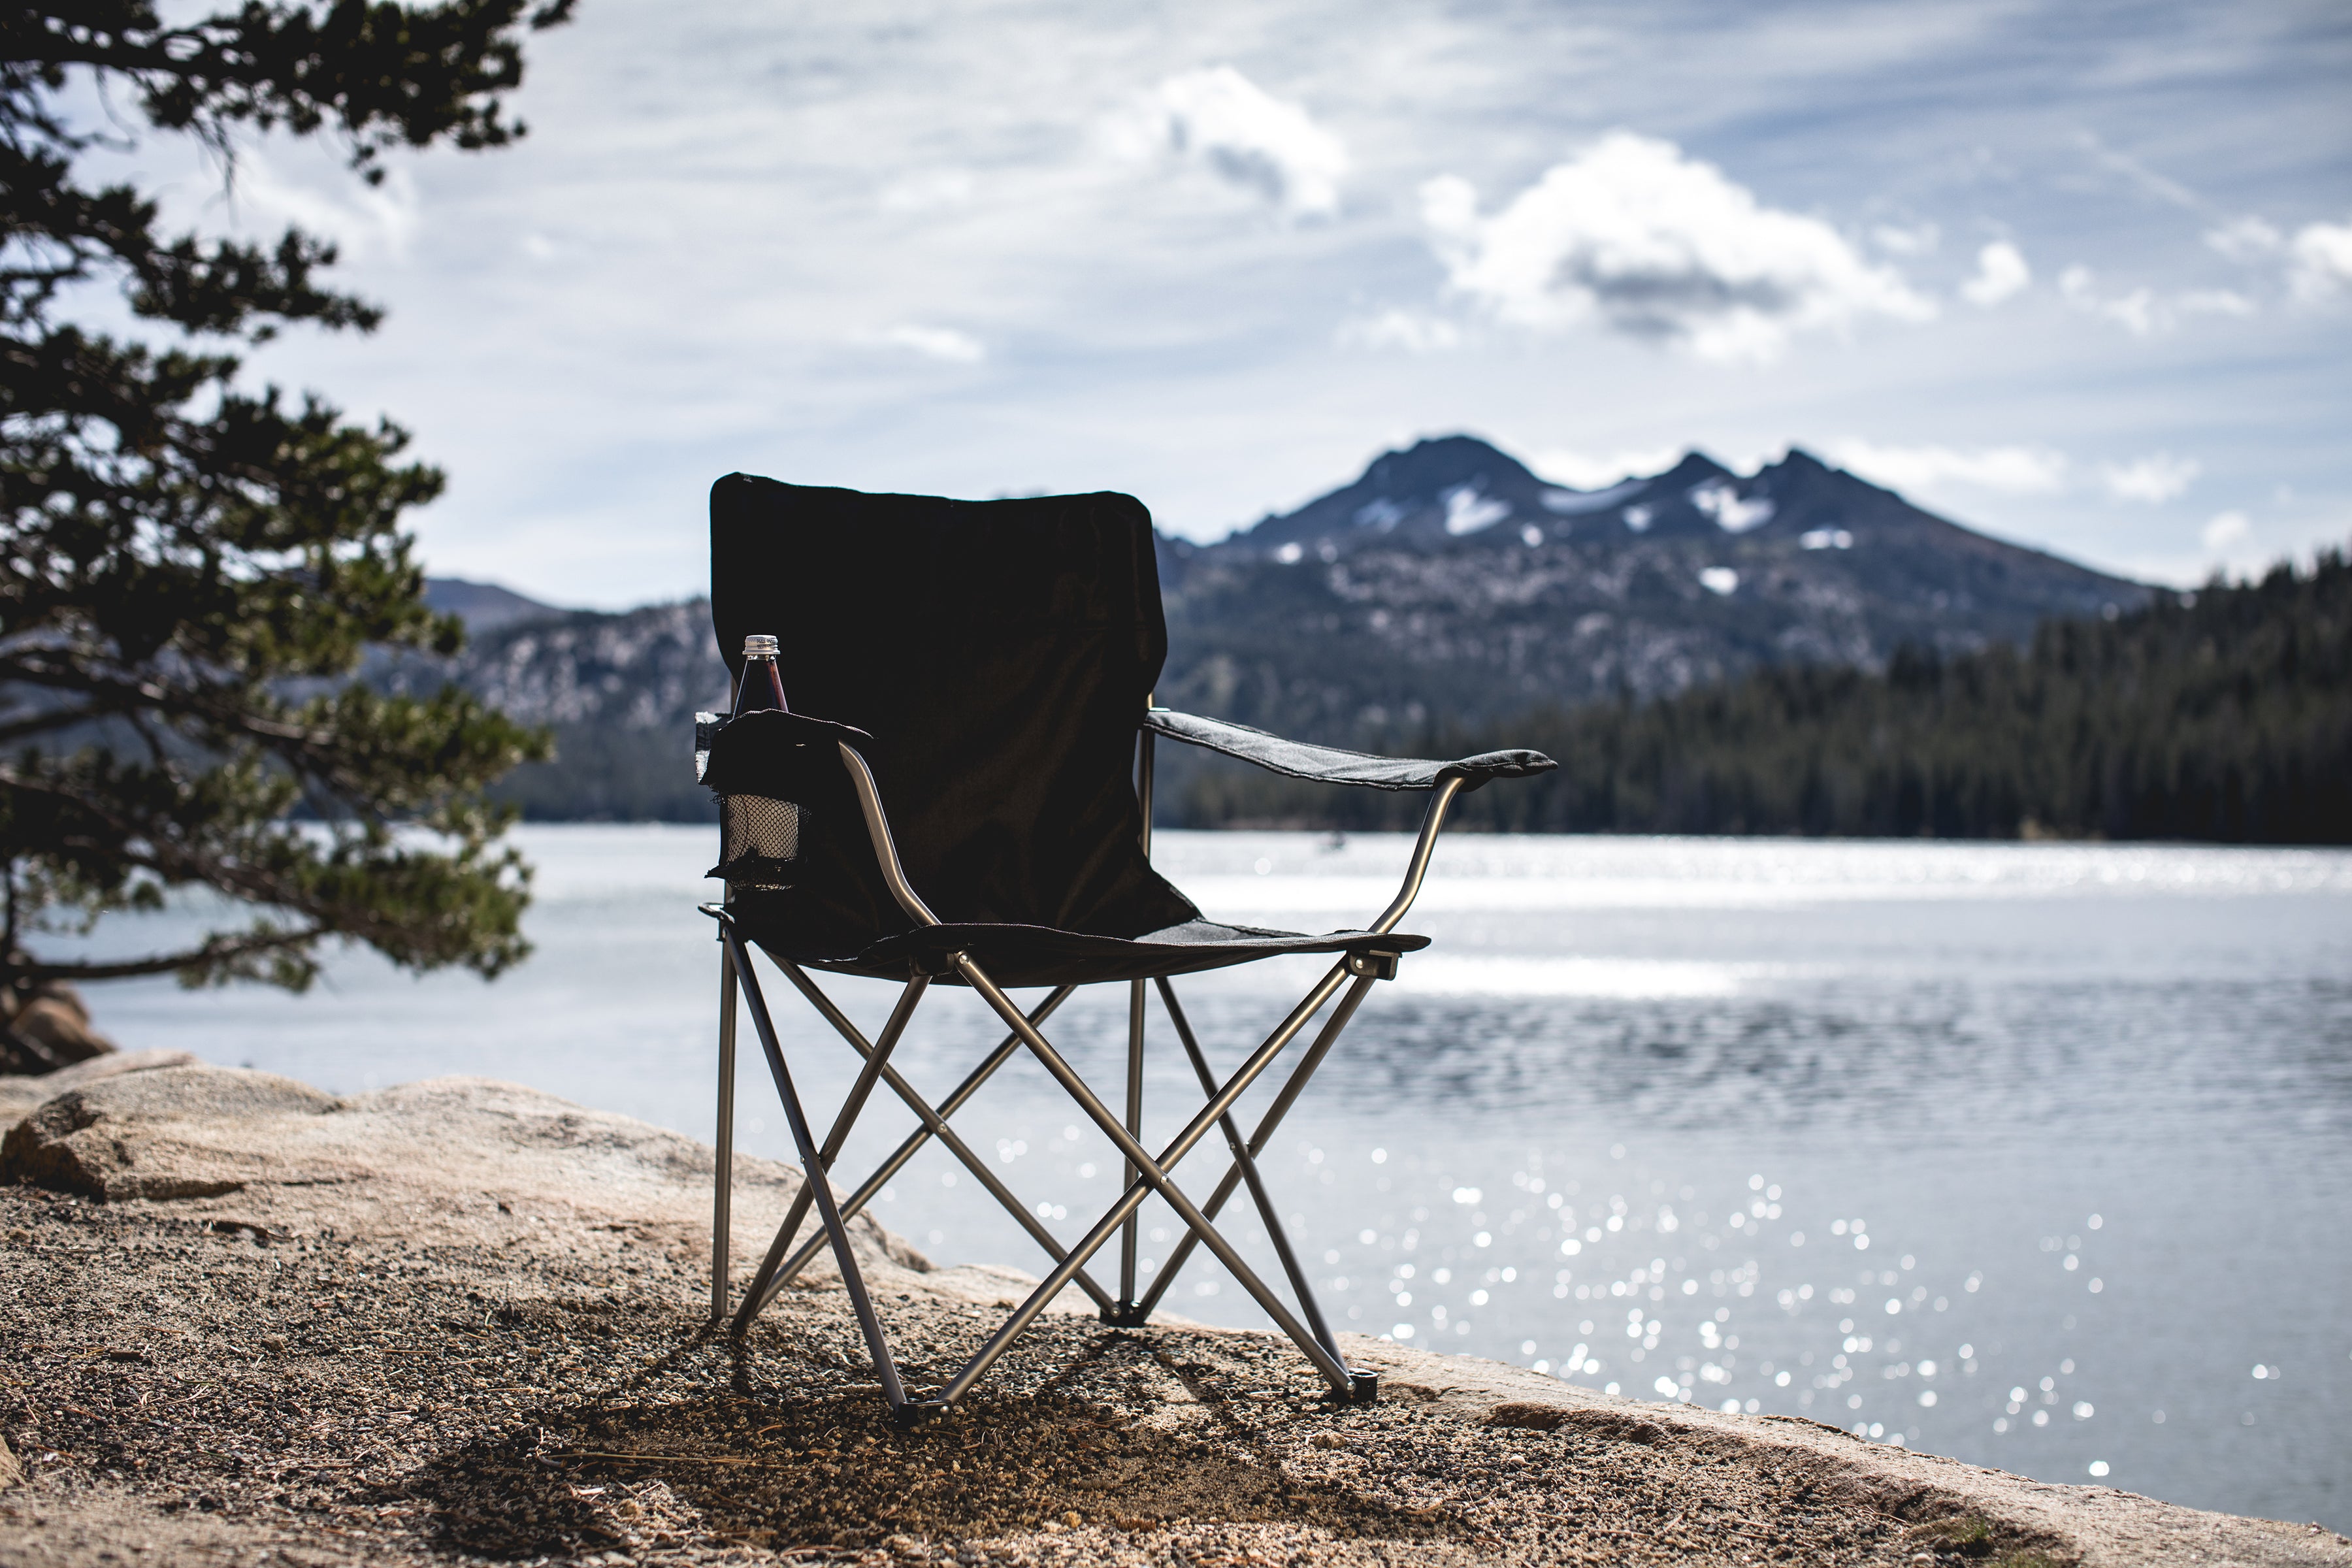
column 461, row 1322
column 20, row 1095
column 448, row 1161
column 46, row 1029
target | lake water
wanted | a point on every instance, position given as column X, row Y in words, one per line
column 2037, row 1156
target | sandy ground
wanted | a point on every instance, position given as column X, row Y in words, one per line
column 242, row 1322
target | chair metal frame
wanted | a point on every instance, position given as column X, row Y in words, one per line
column 1147, row 1174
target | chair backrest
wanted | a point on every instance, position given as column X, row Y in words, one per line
column 1001, row 654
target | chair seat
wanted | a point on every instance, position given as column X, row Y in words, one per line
column 1040, row 955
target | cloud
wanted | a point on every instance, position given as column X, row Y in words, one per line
column 938, row 343
column 2214, row 302
column 1394, row 329
column 2137, row 312
column 2155, row 478
column 2318, row 259
column 2014, row 471
column 1222, row 121
column 1661, row 247
column 2143, row 313
column 2005, row 470
column 2226, row 529
column 2001, row 272
column 2161, row 186
column 928, row 190
column 2245, row 240
column 1587, row 471
column 2321, row 260
column 368, row 222
column 1920, row 239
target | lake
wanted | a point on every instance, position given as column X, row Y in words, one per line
column 2035, row 1155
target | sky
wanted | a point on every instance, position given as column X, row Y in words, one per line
column 2077, row 274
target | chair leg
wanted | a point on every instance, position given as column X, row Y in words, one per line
column 1266, row 1207
column 1128, row 1239
column 1283, row 1101
column 1154, row 1176
column 722, row 1185
column 934, row 1125
column 761, row 1292
column 812, row 1172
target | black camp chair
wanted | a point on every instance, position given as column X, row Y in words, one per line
column 961, row 795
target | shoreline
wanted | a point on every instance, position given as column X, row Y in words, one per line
column 463, row 1322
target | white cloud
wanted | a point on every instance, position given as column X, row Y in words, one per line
column 1227, row 123
column 2005, row 470
column 368, row 222
column 2322, row 257
column 2214, row 302
column 1411, row 330
column 2143, row 313
column 2014, row 471
column 938, row 343
column 2001, row 272
column 2155, row 478
column 2318, row 260
column 1589, row 471
column 927, row 190
column 2163, row 187
column 2245, row 240
column 2137, row 312
column 1657, row 246
column 2226, row 529
column 1921, row 240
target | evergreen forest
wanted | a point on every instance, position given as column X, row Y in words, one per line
column 2223, row 715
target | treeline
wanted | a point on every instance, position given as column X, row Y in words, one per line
column 2222, row 715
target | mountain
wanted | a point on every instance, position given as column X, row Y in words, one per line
column 1448, row 584
column 619, row 691
column 1451, row 580
column 2222, row 715
column 483, row 606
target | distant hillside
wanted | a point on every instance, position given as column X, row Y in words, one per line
column 1449, row 581
column 1448, row 584
column 620, row 693
column 2223, row 715
column 483, row 606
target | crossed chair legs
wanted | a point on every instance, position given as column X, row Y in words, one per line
column 1147, row 1174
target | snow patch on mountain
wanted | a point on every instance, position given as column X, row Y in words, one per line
column 1731, row 514
column 1577, row 503
column 1468, row 510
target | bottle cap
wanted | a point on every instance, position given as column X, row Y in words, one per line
column 758, row 645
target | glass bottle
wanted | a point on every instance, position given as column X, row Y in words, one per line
column 762, row 686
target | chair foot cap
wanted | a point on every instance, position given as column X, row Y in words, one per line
column 1125, row 1315
column 1363, row 1387
column 919, row 1413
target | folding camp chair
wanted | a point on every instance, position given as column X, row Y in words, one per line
column 961, row 794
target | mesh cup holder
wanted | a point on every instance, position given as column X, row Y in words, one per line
column 758, row 841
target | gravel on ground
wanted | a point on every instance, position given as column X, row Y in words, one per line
column 461, row 1322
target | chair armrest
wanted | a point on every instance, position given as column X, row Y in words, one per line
column 1329, row 765
column 767, row 752
column 794, row 757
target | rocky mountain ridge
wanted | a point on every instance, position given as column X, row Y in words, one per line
column 619, row 691
column 1448, row 583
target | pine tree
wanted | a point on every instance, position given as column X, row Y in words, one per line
column 195, row 567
